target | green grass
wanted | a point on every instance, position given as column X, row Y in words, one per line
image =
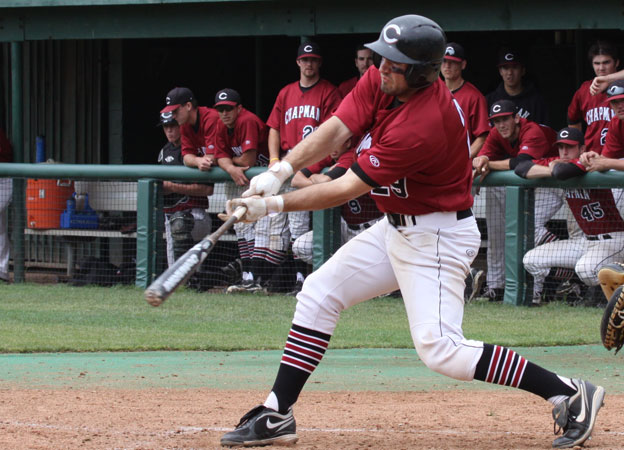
column 53, row 318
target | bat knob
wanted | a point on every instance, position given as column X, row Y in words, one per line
column 153, row 298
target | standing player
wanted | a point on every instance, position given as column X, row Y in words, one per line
column 514, row 87
column 470, row 99
column 6, row 191
column 184, row 204
column 418, row 156
column 197, row 126
column 299, row 109
column 512, row 140
column 363, row 60
column 592, row 109
column 241, row 143
column 594, row 210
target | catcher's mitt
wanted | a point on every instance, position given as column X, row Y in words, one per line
column 611, row 276
column 612, row 325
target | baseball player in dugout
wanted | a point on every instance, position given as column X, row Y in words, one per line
column 184, row 204
column 516, row 88
column 363, row 60
column 6, row 191
column 299, row 109
column 613, row 151
column 241, row 143
column 595, row 212
column 197, row 127
column 470, row 99
column 416, row 164
column 511, row 140
column 593, row 110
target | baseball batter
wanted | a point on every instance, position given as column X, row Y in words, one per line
column 417, row 164
column 593, row 109
column 299, row 109
column 594, row 210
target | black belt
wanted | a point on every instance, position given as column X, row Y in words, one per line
column 359, row 226
column 400, row 220
column 600, row 237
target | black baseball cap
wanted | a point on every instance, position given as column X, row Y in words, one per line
column 570, row 135
column 176, row 97
column 502, row 108
column 309, row 50
column 454, row 52
column 166, row 118
column 508, row 56
column 615, row 91
column 227, row 97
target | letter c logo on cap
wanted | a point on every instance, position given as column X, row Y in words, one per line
column 496, row 108
column 509, row 57
column 564, row 134
column 222, row 96
column 307, row 49
column 389, row 36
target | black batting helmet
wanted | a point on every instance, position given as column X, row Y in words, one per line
column 413, row 40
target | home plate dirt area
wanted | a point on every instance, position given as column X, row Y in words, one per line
column 166, row 418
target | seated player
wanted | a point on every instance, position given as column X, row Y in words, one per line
column 595, row 212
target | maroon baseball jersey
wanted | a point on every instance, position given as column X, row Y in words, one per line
column 346, row 86
column 474, row 106
column 297, row 113
column 594, row 210
column 249, row 133
column 614, row 145
column 359, row 210
column 198, row 140
column 596, row 113
column 416, row 153
column 533, row 139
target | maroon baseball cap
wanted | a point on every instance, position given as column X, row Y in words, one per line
column 454, row 52
column 176, row 97
column 227, row 97
column 309, row 50
column 570, row 135
column 615, row 91
column 502, row 108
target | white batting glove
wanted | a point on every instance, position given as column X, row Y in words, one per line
column 257, row 207
column 269, row 182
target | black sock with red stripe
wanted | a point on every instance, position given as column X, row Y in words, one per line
column 303, row 352
column 501, row 365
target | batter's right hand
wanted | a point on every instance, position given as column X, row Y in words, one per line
column 269, row 182
column 257, row 207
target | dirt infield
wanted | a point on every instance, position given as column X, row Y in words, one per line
column 196, row 418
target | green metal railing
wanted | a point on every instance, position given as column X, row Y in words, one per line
column 519, row 211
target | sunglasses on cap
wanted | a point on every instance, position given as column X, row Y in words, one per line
column 224, row 108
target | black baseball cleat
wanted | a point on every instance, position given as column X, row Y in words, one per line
column 262, row 426
column 576, row 415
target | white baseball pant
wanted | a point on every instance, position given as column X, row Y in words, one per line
column 428, row 262
column 6, row 192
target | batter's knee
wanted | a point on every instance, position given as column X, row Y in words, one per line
column 446, row 354
column 317, row 308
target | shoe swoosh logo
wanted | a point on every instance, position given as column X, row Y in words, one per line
column 581, row 416
column 270, row 425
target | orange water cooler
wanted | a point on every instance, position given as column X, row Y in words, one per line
column 46, row 201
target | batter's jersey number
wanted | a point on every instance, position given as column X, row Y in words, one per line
column 592, row 211
column 398, row 188
column 354, row 206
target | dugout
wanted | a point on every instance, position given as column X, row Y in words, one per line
column 91, row 75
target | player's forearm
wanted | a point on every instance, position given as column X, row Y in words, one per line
column 538, row 171
column 247, row 159
column 273, row 143
column 326, row 195
column 193, row 189
column 330, row 136
column 475, row 147
column 190, row 160
column 499, row 165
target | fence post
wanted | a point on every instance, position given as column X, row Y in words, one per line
column 519, row 237
column 326, row 224
column 17, row 138
column 147, row 231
